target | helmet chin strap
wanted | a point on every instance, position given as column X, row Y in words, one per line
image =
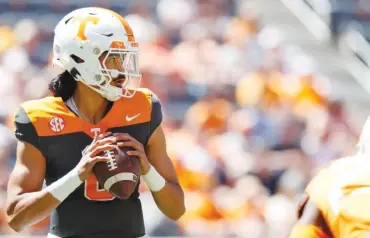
column 109, row 92
column 110, row 96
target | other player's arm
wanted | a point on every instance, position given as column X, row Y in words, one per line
column 311, row 223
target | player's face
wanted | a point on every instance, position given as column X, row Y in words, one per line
column 112, row 62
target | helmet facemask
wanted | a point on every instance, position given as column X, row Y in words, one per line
column 119, row 74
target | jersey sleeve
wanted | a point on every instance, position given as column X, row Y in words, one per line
column 24, row 129
column 318, row 190
column 307, row 231
column 156, row 114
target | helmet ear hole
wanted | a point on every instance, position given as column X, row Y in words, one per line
column 77, row 59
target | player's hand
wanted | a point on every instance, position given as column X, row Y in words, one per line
column 91, row 155
column 125, row 140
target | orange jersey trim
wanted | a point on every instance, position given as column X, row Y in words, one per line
column 124, row 112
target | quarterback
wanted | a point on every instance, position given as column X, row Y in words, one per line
column 97, row 105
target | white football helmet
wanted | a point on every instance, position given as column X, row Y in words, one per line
column 363, row 145
column 83, row 35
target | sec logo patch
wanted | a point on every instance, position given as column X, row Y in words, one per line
column 56, row 124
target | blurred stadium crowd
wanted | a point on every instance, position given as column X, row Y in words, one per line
column 248, row 118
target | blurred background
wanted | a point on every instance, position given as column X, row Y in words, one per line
column 257, row 96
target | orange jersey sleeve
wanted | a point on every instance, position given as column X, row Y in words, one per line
column 332, row 190
column 317, row 190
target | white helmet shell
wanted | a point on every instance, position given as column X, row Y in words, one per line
column 363, row 145
column 81, row 38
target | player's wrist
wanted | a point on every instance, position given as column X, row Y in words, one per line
column 64, row 186
column 145, row 169
column 154, row 180
column 82, row 173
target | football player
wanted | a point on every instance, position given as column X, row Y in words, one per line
column 97, row 102
column 336, row 199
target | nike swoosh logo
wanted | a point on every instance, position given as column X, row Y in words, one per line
column 131, row 118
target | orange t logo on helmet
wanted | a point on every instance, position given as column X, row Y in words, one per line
column 83, row 21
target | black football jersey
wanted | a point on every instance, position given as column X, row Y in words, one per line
column 60, row 135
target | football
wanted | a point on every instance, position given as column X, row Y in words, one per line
column 120, row 174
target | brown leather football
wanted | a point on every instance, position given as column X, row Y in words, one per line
column 120, row 174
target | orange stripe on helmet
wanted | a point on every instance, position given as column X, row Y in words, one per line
column 118, row 45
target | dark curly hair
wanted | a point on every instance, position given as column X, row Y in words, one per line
column 63, row 85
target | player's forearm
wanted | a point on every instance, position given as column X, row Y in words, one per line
column 170, row 200
column 168, row 196
column 30, row 208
